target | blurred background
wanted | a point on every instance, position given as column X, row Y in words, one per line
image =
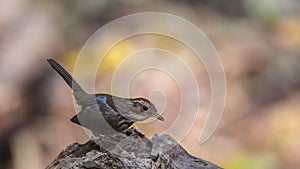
column 258, row 42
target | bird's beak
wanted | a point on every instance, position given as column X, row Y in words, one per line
column 159, row 117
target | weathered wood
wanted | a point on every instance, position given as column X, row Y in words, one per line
column 130, row 150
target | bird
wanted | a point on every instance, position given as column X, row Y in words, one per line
column 106, row 114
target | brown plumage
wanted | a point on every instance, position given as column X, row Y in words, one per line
column 104, row 113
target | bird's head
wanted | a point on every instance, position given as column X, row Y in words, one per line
column 140, row 109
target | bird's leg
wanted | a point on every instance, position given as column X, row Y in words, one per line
column 134, row 131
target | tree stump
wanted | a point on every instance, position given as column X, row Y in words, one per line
column 129, row 150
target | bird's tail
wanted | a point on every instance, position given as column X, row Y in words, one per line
column 79, row 93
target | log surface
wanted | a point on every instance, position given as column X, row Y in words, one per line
column 130, row 150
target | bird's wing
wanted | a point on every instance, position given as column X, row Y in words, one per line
column 92, row 118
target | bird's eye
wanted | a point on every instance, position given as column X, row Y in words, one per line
column 141, row 105
column 145, row 108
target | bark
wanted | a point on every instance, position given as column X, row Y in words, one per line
column 130, row 150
